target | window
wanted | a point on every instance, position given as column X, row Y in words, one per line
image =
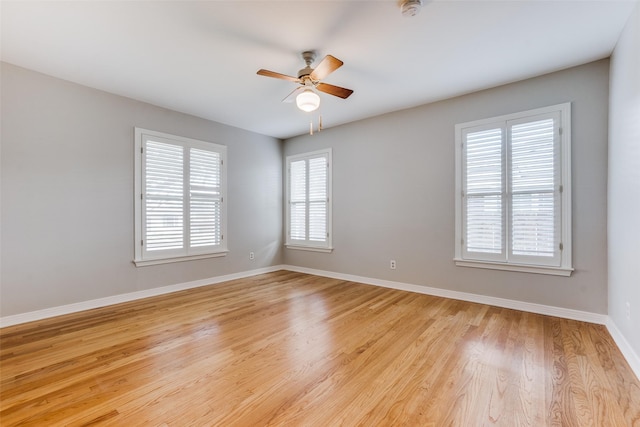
column 513, row 186
column 179, row 198
column 309, row 201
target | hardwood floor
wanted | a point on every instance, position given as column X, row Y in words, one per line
column 289, row 349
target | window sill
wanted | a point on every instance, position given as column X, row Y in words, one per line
column 146, row 262
column 522, row 268
column 309, row 248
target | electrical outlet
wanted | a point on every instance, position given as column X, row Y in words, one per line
column 628, row 311
column 252, row 255
column 392, row 264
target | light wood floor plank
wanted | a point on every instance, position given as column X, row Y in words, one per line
column 290, row 349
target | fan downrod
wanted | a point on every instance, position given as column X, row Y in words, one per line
column 308, row 56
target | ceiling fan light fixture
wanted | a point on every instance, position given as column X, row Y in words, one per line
column 410, row 7
column 308, row 100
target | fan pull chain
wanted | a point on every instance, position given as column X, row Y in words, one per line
column 319, row 125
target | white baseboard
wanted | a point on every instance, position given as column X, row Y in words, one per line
column 566, row 313
column 625, row 348
column 131, row 296
column 584, row 316
column 602, row 319
column 464, row 296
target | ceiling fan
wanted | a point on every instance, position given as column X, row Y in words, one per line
column 310, row 80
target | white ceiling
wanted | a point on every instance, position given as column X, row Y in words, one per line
column 201, row 57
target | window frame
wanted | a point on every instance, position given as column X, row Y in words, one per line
column 562, row 266
column 307, row 244
column 141, row 256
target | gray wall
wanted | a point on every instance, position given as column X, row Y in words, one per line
column 67, row 204
column 67, row 194
column 624, row 183
column 393, row 192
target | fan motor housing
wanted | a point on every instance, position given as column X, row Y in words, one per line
column 305, row 72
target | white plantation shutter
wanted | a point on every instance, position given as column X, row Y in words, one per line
column 298, row 200
column 205, row 198
column 483, row 192
column 318, row 199
column 308, row 207
column 514, row 183
column 180, row 211
column 535, row 199
column 164, row 201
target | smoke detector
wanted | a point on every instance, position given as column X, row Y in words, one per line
column 410, row 7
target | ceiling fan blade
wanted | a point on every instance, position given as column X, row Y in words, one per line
column 327, row 66
column 338, row 91
column 293, row 94
column 273, row 74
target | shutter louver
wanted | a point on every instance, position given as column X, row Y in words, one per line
column 318, row 199
column 205, row 198
column 483, row 189
column 298, row 200
column 533, row 230
column 163, row 201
